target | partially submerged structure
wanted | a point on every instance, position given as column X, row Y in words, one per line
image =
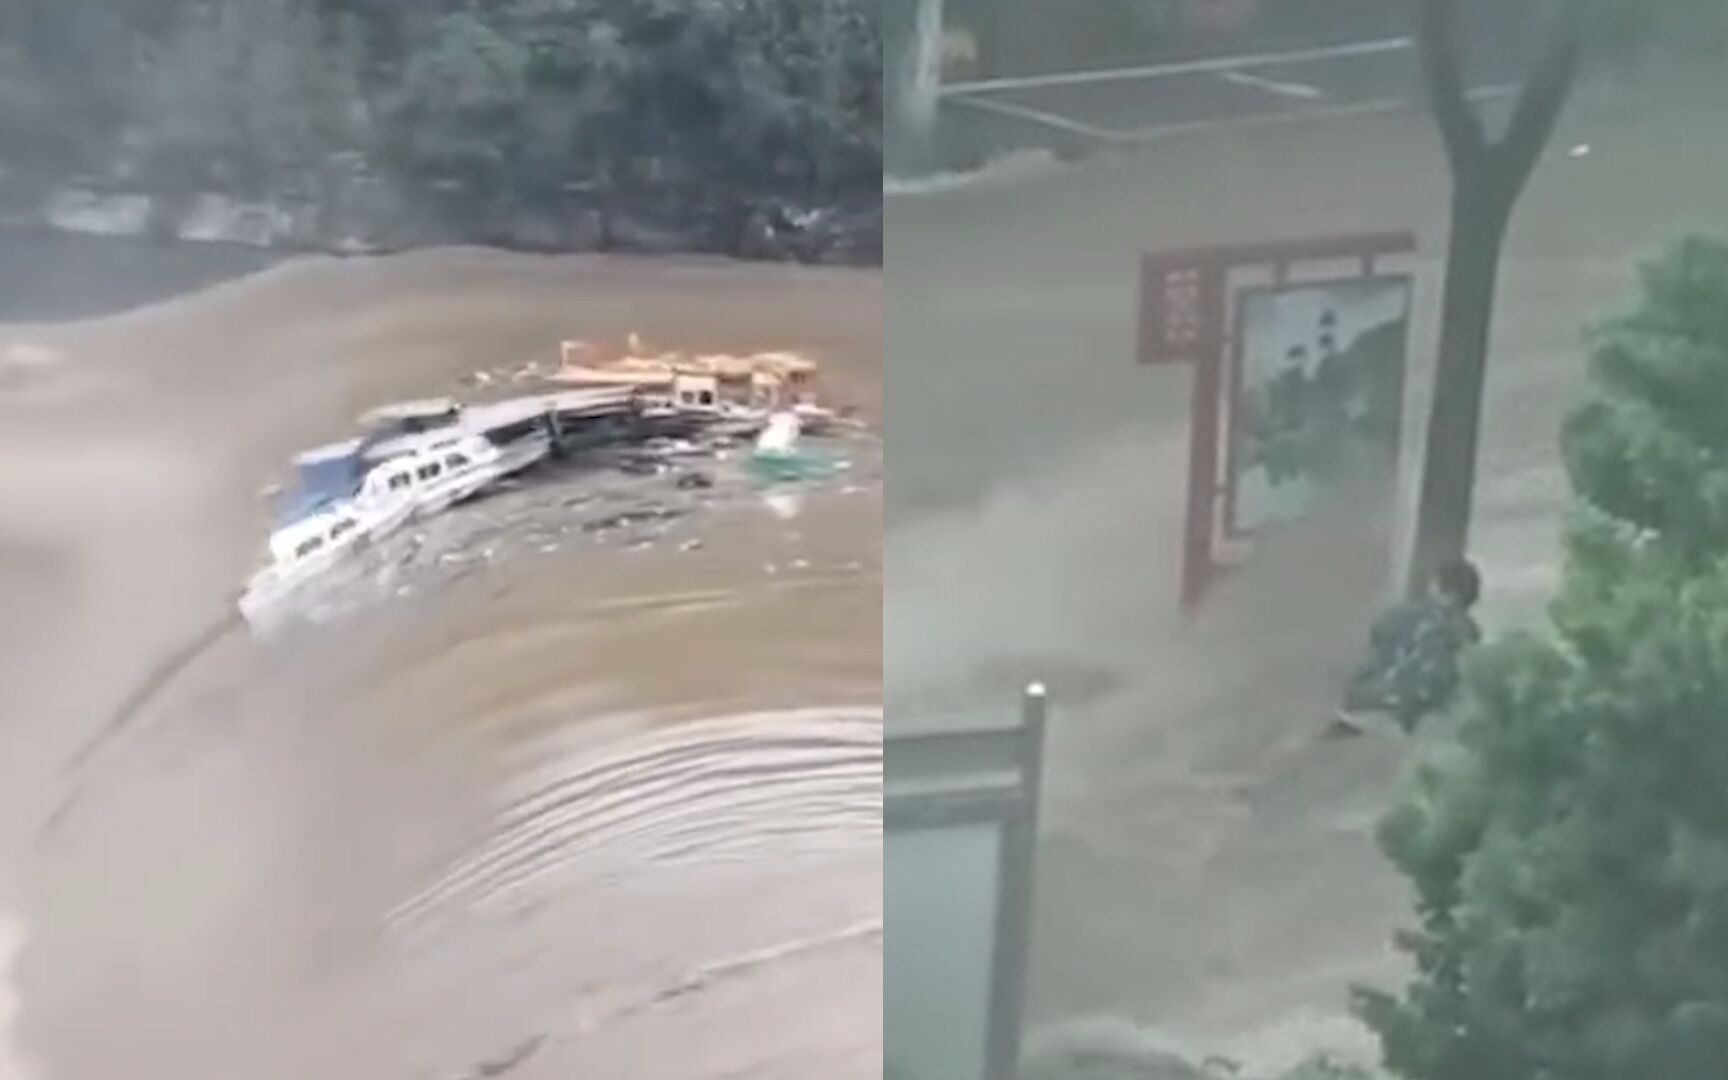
column 416, row 458
column 767, row 380
column 349, row 494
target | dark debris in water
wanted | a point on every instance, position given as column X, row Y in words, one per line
column 509, row 1062
column 559, row 509
column 638, row 516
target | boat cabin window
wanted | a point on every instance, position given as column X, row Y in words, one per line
column 308, row 546
column 457, row 461
column 429, row 471
column 341, row 528
column 400, row 480
column 706, row 397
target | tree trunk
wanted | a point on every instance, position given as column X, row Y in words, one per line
column 912, row 58
column 1488, row 176
column 1481, row 211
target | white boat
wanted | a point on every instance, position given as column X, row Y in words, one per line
column 332, row 514
column 301, row 550
column 434, row 472
column 514, row 433
column 521, row 452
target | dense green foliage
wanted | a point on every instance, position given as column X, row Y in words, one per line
column 1570, row 851
column 507, row 97
column 1648, row 452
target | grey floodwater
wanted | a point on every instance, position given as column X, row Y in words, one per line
column 1206, row 869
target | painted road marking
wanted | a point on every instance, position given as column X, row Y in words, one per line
column 1035, row 116
column 1213, row 66
column 1199, row 127
column 1272, row 86
column 1336, row 112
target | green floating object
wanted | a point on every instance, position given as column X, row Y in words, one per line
column 790, row 468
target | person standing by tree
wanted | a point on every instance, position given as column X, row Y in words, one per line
column 1415, row 650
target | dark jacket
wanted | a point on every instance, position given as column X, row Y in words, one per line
column 1413, row 663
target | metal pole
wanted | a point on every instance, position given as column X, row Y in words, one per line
column 1206, row 399
column 1014, row 902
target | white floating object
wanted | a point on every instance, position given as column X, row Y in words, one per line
column 780, row 436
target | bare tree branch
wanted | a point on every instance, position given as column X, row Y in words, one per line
column 1439, row 33
column 1543, row 98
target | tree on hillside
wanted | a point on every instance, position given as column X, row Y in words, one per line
column 516, row 99
column 62, row 74
column 240, row 95
column 1489, row 174
column 1569, row 852
column 459, row 99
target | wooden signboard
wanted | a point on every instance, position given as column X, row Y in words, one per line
column 1187, row 297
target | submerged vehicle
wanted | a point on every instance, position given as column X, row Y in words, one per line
column 354, row 493
column 418, row 458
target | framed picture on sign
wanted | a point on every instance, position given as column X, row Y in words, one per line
column 1316, row 397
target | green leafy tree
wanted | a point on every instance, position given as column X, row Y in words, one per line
column 458, row 105
column 64, row 75
column 246, row 95
column 1648, row 451
column 518, row 99
column 1569, row 852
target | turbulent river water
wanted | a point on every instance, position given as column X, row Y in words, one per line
column 584, row 811
column 773, row 820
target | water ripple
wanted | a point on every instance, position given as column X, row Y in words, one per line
column 763, row 785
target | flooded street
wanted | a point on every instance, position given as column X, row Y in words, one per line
column 1207, row 870
column 586, row 806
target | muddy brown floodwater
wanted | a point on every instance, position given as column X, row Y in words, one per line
column 589, row 807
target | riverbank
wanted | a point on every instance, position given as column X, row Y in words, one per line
column 385, row 218
column 56, row 275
